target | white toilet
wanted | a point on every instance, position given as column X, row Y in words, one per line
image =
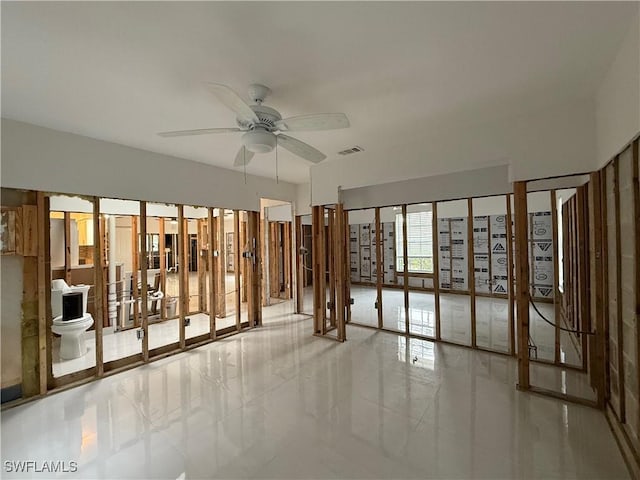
column 72, row 342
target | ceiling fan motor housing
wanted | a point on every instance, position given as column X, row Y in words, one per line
column 259, row 140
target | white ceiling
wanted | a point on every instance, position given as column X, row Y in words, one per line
column 123, row 71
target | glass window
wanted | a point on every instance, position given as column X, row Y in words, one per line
column 419, row 242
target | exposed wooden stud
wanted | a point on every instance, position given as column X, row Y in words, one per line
column 266, row 260
column 319, row 269
column 347, row 260
column 597, row 354
column 619, row 326
column 67, row 247
column 635, row 155
column 556, row 276
column 44, row 289
column 98, row 285
column 340, row 270
column 510, row 277
column 472, row 271
column 331, row 246
column 236, row 266
column 253, row 269
column 243, row 262
column 163, row 267
column 582, row 251
column 436, row 265
column 522, row 282
column 405, row 268
column 134, row 269
column 201, row 266
column 212, row 273
column 379, row 266
column 183, row 304
column 144, row 307
column 221, row 264
column 286, row 252
column 605, row 280
column 274, row 260
column 300, row 275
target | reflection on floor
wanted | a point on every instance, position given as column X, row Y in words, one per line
column 276, row 402
column 125, row 343
column 455, row 320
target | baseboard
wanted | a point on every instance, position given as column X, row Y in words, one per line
column 8, row 394
column 626, row 448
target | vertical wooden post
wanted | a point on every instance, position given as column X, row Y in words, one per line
column 436, row 265
column 619, row 326
column 556, row 275
column 163, row 268
column 597, row 289
column 143, row 277
column 67, row 247
column 98, row 285
column 332, row 266
column 584, row 322
column 202, row 270
column 236, row 265
column 510, row 279
column 299, row 266
column 44, row 290
column 522, row 282
column 243, row 260
column 286, row 252
column 319, row 269
column 221, row 264
column 135, row 257
column 253, row 269
column 405, row 257
column 472, row 271
column 339, row 270
column 379, row 266
column 636, row 215
column 347, row 276
column 212, row 273
column 266, row 260
column 182, row 269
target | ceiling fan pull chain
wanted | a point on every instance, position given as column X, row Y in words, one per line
column 244, row 162
column 276, row 163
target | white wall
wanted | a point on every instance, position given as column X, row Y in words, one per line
column 38, row 158
column 303, row 199
column 618, row 97
column 550, row 142
column 279, row 213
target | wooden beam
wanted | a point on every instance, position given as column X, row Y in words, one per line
column 522, row 282
column 134, row 269
column 44, row 289
column 253, row 269
column 183, row 304
column 236, row 265
column 556, row 276
column 67, row 247
column 163, row 267
column 212, row 273
column 221, row 264
column 597, row 354
column 347, row 276
column 339, row 270
column 266, row 264
column 472, row 272
column 202, row 267
column 98, row 285
column 510, row 278
column 144, row 307
column 379, row 266
column 331, row 246
column 619, row 326
column 405, row 259
column 636, row 218
column 436, row 265
column 582, row 252
column 605, row 280
column 299, row 266
column 319, row 278
column 287, row 260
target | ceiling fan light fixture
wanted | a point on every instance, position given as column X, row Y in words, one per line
column 259, row 141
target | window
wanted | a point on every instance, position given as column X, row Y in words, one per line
column 419, row 243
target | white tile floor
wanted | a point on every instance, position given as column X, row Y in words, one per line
column 276, row 402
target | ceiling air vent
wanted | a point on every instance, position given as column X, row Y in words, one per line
column 351, row 150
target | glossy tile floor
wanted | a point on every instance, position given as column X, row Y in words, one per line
column 492, row 324
column 276, row 402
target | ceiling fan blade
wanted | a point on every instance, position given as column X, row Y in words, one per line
column 300, row 149
column 318, row 121
column 199, row 131
column 243, row 157
column 233, row 101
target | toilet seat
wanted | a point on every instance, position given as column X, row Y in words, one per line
column 58, row 320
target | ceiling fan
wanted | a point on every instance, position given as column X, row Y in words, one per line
column 263, row 126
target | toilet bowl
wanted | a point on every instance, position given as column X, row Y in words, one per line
column 72, row 343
